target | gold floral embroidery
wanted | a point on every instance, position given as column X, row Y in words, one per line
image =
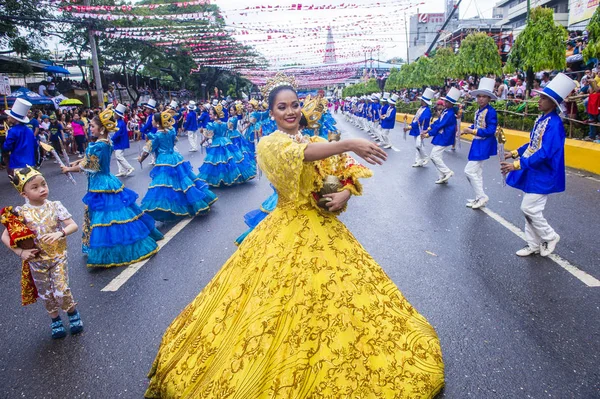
column 90, row 163
column 300, row 310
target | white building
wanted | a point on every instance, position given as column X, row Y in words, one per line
column 514, row 12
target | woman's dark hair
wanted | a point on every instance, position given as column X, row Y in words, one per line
column 303, row 122
column 273, row 94
column 157, row 120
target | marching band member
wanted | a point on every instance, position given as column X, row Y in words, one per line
column 191, row 126
column 375, row 115
column 420, row 124
column 388, row 119
column 444, row 134
column 120, row 141
column 149, row 109
column 539, row 167
column 484, row 143
column 20, row 140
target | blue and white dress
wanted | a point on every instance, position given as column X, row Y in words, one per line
column 175, row 191
column 224, row 163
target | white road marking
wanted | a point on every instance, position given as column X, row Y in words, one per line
column 126, row 274
column 584, row 277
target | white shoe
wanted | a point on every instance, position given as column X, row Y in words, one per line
column 470, row 203
column 417, row 164
column 548, row 247
column 152, row 163
column 193, row 150
column 120, row 174
column 440, row 180
column 129, row 172
column 387, row 146
column 425, row 161
column 480, row 202
column 527, row 251
column 447, row 177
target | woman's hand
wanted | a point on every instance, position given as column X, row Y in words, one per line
column 507, row 167
column 337, row 200
column 368, row 151
column 67, row 169
column 507, row 155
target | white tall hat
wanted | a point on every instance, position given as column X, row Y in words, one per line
column 386, row 95
column 393, row 99
column 207, row 106
column 559, row 88
column 120, row 110
column 427, row 96
column 151, row 104
column 453, row 95
column 215, row 102
column 19, row 110
column 191, row 105
column 486, row 88
column 173, row 104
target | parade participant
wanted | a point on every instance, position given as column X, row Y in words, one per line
column 388, row 120
column 120, row 141
column 539, row 167
column 224, row 163
column 443, row 132
column 116, row 232
column 236, row 113
column 191, row 126
column 300, row 271
column 3, row 131
column 225, row 117
column 175, row 191
column 20, row 141
column 484, row 143
column 56, row 131
column 375, row 116
column 149, row 109
column 36, row 232
column 420, row 124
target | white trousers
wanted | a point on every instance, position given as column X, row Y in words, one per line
column 385, row 136
column 420, row 156
column 537, row 229
column 122, row 163
column 193, row 139
column 474, row 172
column 437, row 158
column 365, row 124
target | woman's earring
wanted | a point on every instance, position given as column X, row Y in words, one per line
column 272, row 118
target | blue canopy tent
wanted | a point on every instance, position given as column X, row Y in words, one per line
column 56, row 69
column 28, row 95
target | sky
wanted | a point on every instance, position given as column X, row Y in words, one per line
column 383, row 33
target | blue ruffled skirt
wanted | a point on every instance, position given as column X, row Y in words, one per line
column 225, row 164
column 116, row 231
column 175, row 191
column 254, row 217
column 244, row 145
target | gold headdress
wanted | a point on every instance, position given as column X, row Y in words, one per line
column 23, row 178
column 280, row 79
column 239, row 108
column 166, row 119
column 108, row 120
column 254, row 103
column 313, row 109
column 219, row 111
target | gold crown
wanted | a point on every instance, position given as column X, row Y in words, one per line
column 313, row 109
column 166, row 119
column 254, row 103
column 219, row 111
column 239, row 108
column 23, row 178
column 108, row 120
column 280, row 79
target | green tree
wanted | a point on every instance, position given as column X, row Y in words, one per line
column 592, row 50
column 22, row 34
column 444, row 63
column 540, row 46
column 478, row 55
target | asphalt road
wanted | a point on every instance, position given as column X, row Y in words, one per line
column 509, row 327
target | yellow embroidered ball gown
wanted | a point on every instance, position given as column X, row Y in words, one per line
column 300, row 310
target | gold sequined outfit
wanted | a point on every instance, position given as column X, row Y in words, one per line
column 300, row 310
column 49, row 267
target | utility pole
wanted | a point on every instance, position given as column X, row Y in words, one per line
column 528, row 9
column 95, row 63
column 406, row 34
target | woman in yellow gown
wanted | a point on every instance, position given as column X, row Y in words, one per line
column 300, row 310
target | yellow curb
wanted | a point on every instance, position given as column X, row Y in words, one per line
column 579, row 154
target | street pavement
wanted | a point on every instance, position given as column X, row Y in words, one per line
column 510, row 327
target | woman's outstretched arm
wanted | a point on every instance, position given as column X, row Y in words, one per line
column 363, row 148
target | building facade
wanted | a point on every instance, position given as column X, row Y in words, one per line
column 514, row 13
